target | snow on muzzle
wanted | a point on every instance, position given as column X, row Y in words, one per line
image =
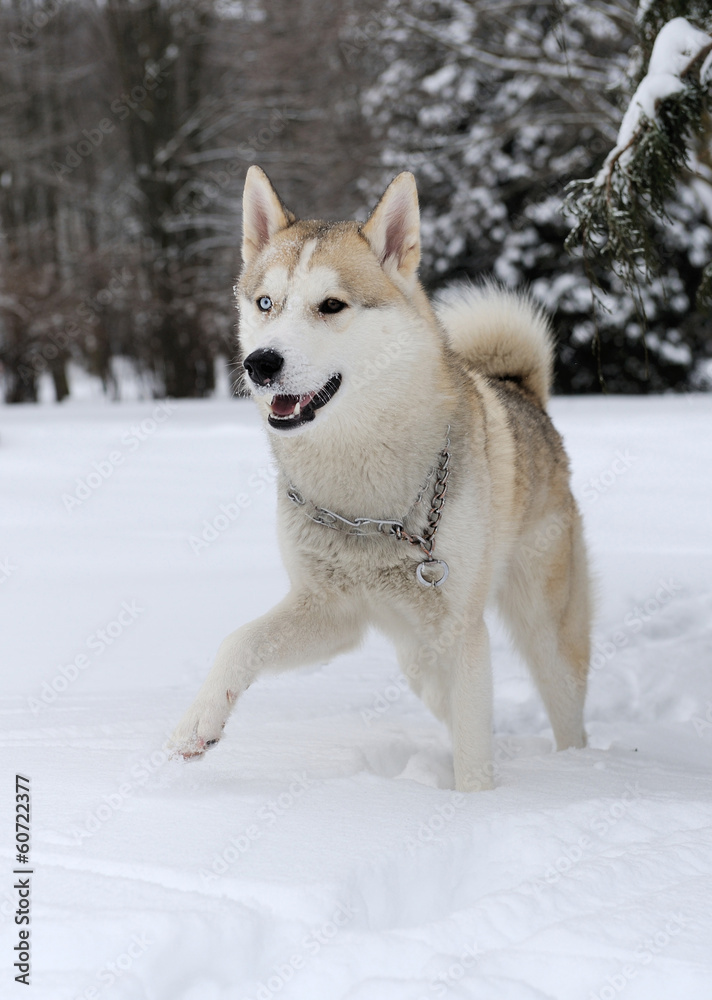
column 292, row 411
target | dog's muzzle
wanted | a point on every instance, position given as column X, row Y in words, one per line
column 287, row 410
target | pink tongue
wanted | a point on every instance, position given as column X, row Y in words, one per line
column 283, row 406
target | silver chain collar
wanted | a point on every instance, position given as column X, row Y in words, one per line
column 392, row 526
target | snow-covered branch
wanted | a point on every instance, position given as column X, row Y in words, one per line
column 678, row 48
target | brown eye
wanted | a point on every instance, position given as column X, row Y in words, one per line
column 330, row 306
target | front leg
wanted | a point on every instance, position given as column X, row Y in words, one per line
column 304, row 628
column 448, row 666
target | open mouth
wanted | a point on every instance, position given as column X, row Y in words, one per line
column 292, row 411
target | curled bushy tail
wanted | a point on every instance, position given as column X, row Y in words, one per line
column 502, row 333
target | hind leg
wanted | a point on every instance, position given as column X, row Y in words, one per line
column 546, row 603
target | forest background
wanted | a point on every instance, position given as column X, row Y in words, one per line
column 126, row 130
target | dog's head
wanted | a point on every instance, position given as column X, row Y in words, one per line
column 327, row 309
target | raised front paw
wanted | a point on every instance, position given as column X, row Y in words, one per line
column 200, row 728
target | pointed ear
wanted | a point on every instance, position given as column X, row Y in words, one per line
column 393, row 227
column 263, row 213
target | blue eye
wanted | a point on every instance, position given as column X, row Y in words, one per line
column 264, row 303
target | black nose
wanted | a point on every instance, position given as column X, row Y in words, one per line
column 262, row 365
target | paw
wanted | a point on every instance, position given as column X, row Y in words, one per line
column 475, row 779
column 200, row 729
column 484, row 783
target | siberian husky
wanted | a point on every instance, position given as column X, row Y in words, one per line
column 420, row 476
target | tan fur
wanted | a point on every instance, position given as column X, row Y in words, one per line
column 503, row 333
column 510, row 531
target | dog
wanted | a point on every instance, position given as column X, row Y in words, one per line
column 420, row 477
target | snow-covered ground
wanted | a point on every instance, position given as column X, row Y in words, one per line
column 319, row 853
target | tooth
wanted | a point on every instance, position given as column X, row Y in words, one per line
column 297, row 410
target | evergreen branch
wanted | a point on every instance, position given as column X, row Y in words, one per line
column 616, row 210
